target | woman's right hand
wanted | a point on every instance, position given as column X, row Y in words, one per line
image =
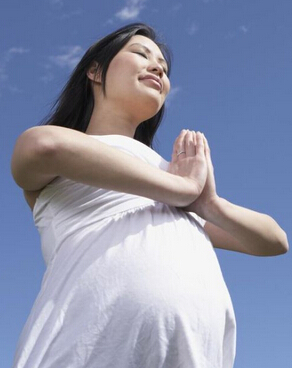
column 189, row 159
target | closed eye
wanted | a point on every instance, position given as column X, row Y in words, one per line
column 147, row 52
column 145, row 56
column 142, row 54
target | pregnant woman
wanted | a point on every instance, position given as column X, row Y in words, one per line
column 132, row 279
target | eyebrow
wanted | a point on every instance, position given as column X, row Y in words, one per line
column 161, row 60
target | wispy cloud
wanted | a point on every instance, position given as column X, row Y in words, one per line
column 236, row 33
column 243, row 29
column 17, row 50
column 68, row 58
column 172, row 94
column 3, row 73
column 131, row 10
column 48, row 76
column 57, row 3
column 14, row 89
column 5, row 61
column 176, row 7
column 193, row 28
column 7, row 58
column 71, row 14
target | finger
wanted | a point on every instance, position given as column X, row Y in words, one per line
column 208, row 154
column 200, row 144
column 178, row 139
column 179, row 147
column 206, row 144
column 194, row 139
column 190, row 144
column 175, row 145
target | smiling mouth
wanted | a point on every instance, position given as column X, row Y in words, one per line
column 153, row 83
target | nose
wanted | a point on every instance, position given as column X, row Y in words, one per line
column 156, row 68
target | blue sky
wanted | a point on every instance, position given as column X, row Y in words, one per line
column 231, row 79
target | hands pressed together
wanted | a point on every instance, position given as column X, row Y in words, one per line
column 191, row 159
column 229, row 226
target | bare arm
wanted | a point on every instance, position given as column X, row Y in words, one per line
column 234, row 227
column 240, row 229
column 43, row 153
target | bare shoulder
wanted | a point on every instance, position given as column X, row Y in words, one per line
column 30, row 162
column 35, row 133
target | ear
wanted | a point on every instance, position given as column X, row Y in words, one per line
column 93, row 73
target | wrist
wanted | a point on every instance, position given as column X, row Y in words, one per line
column 213, row 208
column 185, row 192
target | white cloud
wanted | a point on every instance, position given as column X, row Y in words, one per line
column 47, row 77
column 172, row 94
column 3, row 74
column 193, row 28
column 57, row 3
column 69, row 57
column 71, row 14
column 7, row 57
column 131, row 10
column 240, row 30
column 176, row 7
column 243, row 29
column 17, row 50
column 14, row 89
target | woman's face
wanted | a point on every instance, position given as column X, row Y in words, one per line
column 136, row 78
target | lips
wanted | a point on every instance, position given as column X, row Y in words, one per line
column 156, row 81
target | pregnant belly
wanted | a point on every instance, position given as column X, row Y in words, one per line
column 155, row 256
column 163, row 266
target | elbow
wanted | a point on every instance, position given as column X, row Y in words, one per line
column 279, row 240
column 274, row 242
column 278, row 246
column 283, row 245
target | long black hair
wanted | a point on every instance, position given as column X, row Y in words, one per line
column 74, row 106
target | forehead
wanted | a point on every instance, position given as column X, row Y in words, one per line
column 145, row 41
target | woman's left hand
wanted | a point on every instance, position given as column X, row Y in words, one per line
column 234, row 227
column 203, row 204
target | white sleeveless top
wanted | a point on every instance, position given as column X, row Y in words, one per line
column 130, row 282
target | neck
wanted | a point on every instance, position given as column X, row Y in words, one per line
column 106, row 121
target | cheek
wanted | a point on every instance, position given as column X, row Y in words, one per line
column 121, row 72
column 166, row 87
column 122, row 65
column 116, row 64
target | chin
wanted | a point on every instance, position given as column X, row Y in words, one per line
column 142, row 104
column 149, row 113
column 151, row 105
